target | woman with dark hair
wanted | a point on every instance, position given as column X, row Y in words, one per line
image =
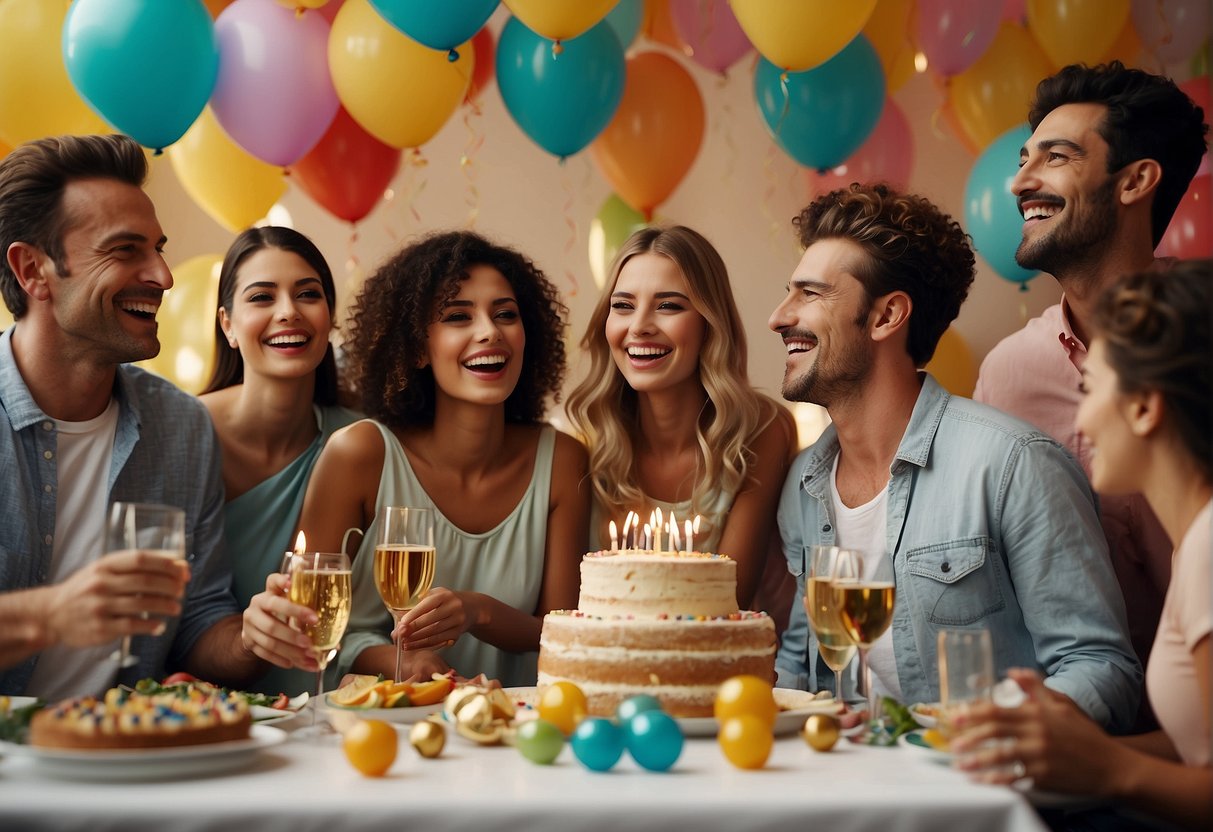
column 273, row 400
column 1147, row 412
column 455, row 346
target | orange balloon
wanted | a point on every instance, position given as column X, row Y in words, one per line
column 992, row 96
column 1076, row 31
column 1127, row 48
column 953, row 365
column 655, row 135
column 216, row 6
column 659, row 26
column 888, row 30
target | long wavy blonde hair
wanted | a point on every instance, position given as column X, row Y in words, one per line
column 603, row 407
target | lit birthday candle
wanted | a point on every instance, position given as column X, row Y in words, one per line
column 614, row 537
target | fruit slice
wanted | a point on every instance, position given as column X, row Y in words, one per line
column 356, row 692
column 429, row 693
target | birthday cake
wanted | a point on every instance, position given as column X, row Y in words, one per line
column 124, row 718
column 661, row 623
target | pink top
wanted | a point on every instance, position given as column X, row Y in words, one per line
column 1187, row 618
column 1033, row 374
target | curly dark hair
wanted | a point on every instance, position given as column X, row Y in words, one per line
column 1148, row 117
column 229, row 363
column 33, row 178
column 1156, row 328
column 912, row 247
column 389, row 321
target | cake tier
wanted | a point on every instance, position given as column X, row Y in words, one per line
column 650, row 584
column 126, row 719
column 680, row 661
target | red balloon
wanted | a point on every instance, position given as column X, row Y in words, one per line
column 348, row 171
column 1190, row 233
column 482, row 67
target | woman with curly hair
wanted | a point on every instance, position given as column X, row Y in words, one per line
column 1147, row 411
column 667, row 410
column 273, row 399
column 454, row 348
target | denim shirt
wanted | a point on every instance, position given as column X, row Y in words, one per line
column 990, row 524
column 165, row 451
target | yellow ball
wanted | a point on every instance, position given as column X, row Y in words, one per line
column 743, row 695
column 820, row 732
column 746, row 741
column 564, row 705
column 370, row 746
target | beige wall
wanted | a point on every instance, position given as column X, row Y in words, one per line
column 741, row 193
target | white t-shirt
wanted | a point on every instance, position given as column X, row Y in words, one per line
column 864, row 528
column 84, row 453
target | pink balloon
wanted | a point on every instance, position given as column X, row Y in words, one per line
column 711, row 33
column 1171, row 30
column 274, row 95
column 1015, row 11
column 1190, row 233
column 887, row 155
column 955, row 33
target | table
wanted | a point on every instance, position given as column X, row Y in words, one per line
column 300, row 785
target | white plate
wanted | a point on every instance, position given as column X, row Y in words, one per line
column 137, row 764
column 925, row 720
column 913, row 740
column 795, row 706
column 342, row 716
column 15, row 702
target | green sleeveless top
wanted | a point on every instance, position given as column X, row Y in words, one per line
column 505, row 562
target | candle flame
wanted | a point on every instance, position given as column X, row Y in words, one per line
column 300, row 543
column 697, row 519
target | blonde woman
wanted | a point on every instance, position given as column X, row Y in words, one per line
column 668, row 412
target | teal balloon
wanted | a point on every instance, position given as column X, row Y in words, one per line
column 562, row 102
column 821, row 116
column 147, row 67
column 438, row 24
column 625, row 19
column 653, row 739
column 991, row 212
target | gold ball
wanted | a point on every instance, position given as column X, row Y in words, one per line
column 820, row 732
column 428, row 738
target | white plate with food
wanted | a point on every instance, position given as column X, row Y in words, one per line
column 925, row 741
column 342, row 716
column 267, row 715
column 925, row 714
column 138, row 764
column 795, row 706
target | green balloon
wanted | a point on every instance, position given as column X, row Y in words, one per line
column 612, row 225
column 539, row 741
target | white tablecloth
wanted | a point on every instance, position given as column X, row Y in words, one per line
column 300, row 785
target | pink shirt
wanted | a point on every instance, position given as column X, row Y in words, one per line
column 1187, row 618
column 1033, row 374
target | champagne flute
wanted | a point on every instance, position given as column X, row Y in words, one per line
column 147, row 527
column 404, row 563
column 822, row 604
column 321, row 582
column 966, row 674
column 867, row 592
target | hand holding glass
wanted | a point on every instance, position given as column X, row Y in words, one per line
column 404, row 563
column 147, row 527
column 867, row 592
column 320, row 581
column 966, row 674
column 822, row 604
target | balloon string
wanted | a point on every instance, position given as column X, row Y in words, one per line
column 787, row 103
column 351, row 256
column 389, row 196
column 416, row 183
column 725, row 125
column 566, row 183
column 937, row 114
column 468, row 164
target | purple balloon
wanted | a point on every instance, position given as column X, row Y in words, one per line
column 953, row 34
column 274, row 96
column 711, row 32
column 1171, row 30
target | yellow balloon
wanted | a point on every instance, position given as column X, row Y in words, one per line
column 800, row 34
column 560, row 19
column 227, row 182
column 36, row 97
column 888, row 30
column 1127, row 48
column 993, row 95
column 187, row 324
column 953, row 365
column 398, row 90
column 1076, row 31
column 300, row 5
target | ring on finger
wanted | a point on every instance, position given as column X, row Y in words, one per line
column 1018, row 770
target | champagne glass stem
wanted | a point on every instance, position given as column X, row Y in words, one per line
column 323, row 662
column 865, row 672
column 838, row 687
column 399, row 653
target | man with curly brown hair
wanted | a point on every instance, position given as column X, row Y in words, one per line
column 989, row 524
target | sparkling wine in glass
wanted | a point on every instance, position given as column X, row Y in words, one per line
column 404, row 562
column 321, row 581
column 867, row 592
column 823, row 606
column 966, row 674
column 147, row 527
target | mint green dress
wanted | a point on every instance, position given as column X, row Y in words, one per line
column 259, row 527
column 505, row 562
